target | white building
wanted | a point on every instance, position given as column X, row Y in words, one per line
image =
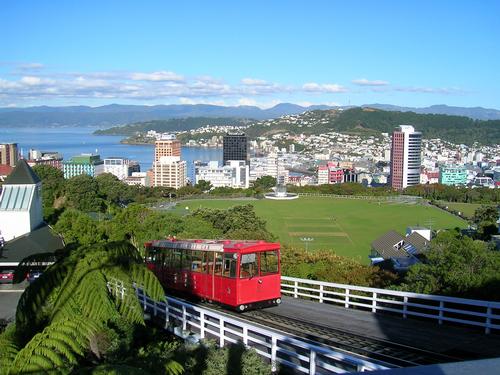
column 20, row 202
column 235, row 174
column 138, row 178
column 120, row 167
column 271, row 165
column 405, row 157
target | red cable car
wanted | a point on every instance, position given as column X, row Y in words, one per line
column 240, row 274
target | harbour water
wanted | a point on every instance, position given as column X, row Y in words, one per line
column 71, row 141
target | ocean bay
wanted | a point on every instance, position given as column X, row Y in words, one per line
column 71, row 141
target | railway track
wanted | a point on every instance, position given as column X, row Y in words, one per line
column 394, row 354
column 385, row 351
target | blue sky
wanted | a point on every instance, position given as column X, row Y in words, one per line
column 412, row 53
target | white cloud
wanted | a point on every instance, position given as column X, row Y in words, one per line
column 366, row 82
column 157, row 76
column 254, row 82
column 323, row 87
column 31, row 66
column 31, row 81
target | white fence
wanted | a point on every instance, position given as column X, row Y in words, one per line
column 277, row 347
column 390, row 198
column 478, row 313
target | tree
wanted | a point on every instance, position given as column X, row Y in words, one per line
column 82, row 193
column 264, row 182
column 459, row 266
column 485, row 218
column 66, row 315
column 112, row 190
column 78, row 228
column 203, row 185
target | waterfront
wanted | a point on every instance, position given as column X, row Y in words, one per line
column 71, row 141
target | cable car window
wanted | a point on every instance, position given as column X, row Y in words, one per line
column 196, row 260
column 229, row 265
column 186, row 260
column 208, row 262
column 248, row 266
column 269, row 263
column 218, row 264
column 176, row 259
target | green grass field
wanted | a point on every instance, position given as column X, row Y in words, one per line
column 343, row 225
column 467, row 209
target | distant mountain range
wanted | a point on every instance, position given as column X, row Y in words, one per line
column 116, row 114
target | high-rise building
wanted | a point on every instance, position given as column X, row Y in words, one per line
column 405, row 157
column 234, row 147
column 235, row 174
column 9, row 154
column 90, row 164
column 168, row 168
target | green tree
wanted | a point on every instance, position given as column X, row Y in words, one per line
column 459, row 266
column 78, row 228
column 64, row 317
column 82, row 193
column 485, row 218
column 203, row 185
column 112, row 190
column 264, row 182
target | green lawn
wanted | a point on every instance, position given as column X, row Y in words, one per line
column 467, row 209
column 343, row 225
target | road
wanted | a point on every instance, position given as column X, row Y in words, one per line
column 9, row 296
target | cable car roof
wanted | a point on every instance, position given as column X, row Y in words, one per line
column 214, row 245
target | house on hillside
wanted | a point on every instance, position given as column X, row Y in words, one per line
column 398, row 251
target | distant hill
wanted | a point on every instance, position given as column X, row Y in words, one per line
column 477, row 113
column 116, row 114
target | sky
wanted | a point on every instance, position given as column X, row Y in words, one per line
column 409, row 53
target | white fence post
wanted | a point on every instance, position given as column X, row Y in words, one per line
column 202, row 325
column 488, row 320
column 184, row 318
column 321, row 293
column 312, row 362
column 167, row 313
column 221, row 332
column 405, row 306
column 245, row 335
column 374, row 302
column 274, row 348
column 154, row 308
column 441, row 308
column 346, row 298
column 295, row 289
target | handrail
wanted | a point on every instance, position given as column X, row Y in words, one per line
column 480, row 313
column 277, row 347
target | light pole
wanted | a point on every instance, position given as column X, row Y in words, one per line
column 306, row 240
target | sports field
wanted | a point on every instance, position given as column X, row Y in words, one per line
column 343, row 225
column 467, row 209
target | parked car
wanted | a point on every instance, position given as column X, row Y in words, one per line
column 6, row 276
column 33, row 276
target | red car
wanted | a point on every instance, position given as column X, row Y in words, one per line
column 239, row 274
column 6, row 276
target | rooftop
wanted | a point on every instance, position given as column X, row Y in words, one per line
column 22, row 175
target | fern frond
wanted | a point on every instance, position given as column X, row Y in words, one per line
column 147, row 280
column 8, row 348
column 56, row 348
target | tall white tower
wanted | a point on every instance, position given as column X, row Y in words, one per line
column 405, row 157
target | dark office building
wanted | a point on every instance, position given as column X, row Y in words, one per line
column 235, row 147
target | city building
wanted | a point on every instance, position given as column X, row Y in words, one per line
column 20, row 202
column 405, row 157
column 36, row 157
column 234, row 147
column 120, row 167
column 138, row 178
column 452, row 175
column 272, row 165
column 331, row 173
column 235, row 174
column 5, row 170
column 9, row 154
column 90, row 164
column 168, row 168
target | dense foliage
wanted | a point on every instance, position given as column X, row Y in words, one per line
column 457, row 265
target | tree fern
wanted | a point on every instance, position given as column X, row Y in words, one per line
column 56, row 348
column 8, row 348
